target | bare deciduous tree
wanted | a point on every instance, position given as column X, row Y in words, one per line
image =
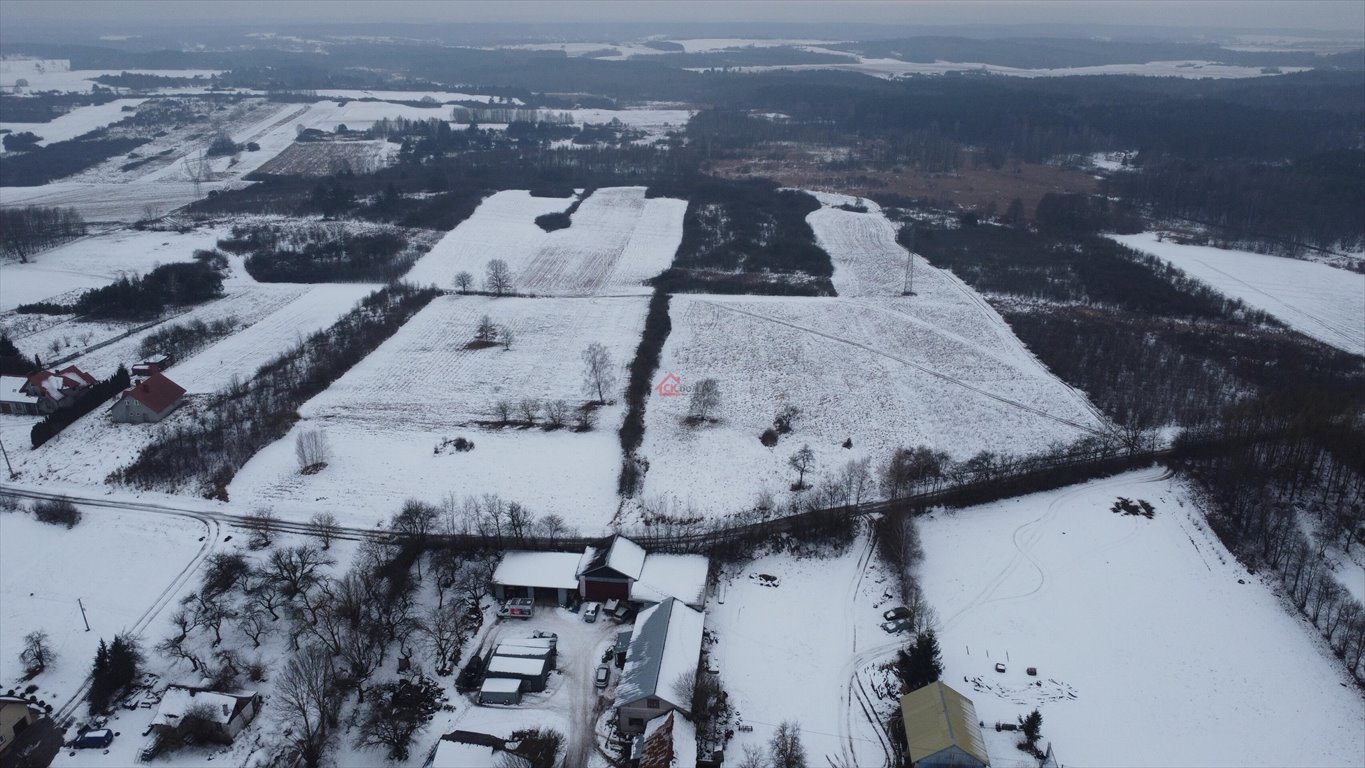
column 464, row 281
column 296, row 570
column 506, row 335
column 705, row 400
column 556, row 411
column 37, row 653
column 443, row 633
column 261, row 522
column 599, row 375
column 486, row 332
column 324, row 526
column 308, row 700
column 786, row 748
column 498, row 278
column 802, row 461
column 530, row 409
column 503, row 410
column 312, row 450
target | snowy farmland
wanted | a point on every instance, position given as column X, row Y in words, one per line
column 940, row 368
column 1319, row 301
column 618, row 239
column 78, row 121
column 97, row 260
column 1137, row 627
column 123, row 566
column 777, row 665
column 385, row 417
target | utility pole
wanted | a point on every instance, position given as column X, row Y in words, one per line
column 87, row 621
column 12, row 474
column 910, row 265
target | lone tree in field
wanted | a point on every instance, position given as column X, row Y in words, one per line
column 37, row 653
column 498, row 280
column 312, row 450
column 261, row 522
column 324, row 526
column 705, row 401
column 464, row 281
column 787, row 751
column 802, row 461
column 599, row 376
column 487, row 332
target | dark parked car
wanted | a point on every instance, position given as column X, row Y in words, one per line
column 94, row 739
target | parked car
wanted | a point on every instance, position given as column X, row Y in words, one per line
column 897, row 613
column 603, row 676
column 590, row 611
column 999, row 667
column 95, row 739
column 894, row 627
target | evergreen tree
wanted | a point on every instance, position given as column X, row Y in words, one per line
column 1032, row 726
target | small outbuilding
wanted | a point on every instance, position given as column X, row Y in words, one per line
column 608, row 570
column 500, row 690
column 532, row 672
column 14, row 399
column 148, row 401
column 941, row 729
column 546, row 577
column 28, row 737
column 206, row 714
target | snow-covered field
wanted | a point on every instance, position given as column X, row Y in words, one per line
column 57, row 74
column 777, row 664
column 1320, row 301
column 97, row 260
column 385, row 417
column 892, row 68
column 618, row 239
column 78, row 121
column 940, row 368
column 1149, row 648
column 123, row 566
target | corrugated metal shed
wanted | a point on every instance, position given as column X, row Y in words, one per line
column 939, row 720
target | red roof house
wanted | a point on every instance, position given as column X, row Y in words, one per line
column 57, row 389
column 150, row 400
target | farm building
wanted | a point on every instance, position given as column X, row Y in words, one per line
column 59, row 388
column 531, row 648
column 148, row 401
column 532, row 672
column 28, row 737
column 466, row 749
column 547, row 577
column 13, row 398
column 209, row 714
column 664, row 647
column 151, row 365
column 669, row 741
column 500, row 690
column 941, row 729
column 609, row 570
column 678, row 576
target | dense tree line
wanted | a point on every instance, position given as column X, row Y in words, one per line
column 1316, row 201
column 1288, row 460
column 46, row 107
column 180, row 340
column 237, row 422
column 116, row 666
column 12, row 361
column 62, row 158
column 740, row 235
column 146, row 296
column 321, row 253
column 28, row 230
column 639, row 382
column 92, row 398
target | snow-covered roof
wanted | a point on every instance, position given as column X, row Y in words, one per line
column 680, row 576
column 669, row 741
column 500, row 685
column 665, row 645
column 10, row 391
column 176, row 701
column 515, row 648
column 453, row 754
column 552, row 570
column 516, row 665
column 621, row 555
column 938, row 718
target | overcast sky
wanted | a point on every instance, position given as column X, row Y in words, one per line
column 1333, row 15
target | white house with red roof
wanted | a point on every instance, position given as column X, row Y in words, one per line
column 148, row 401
